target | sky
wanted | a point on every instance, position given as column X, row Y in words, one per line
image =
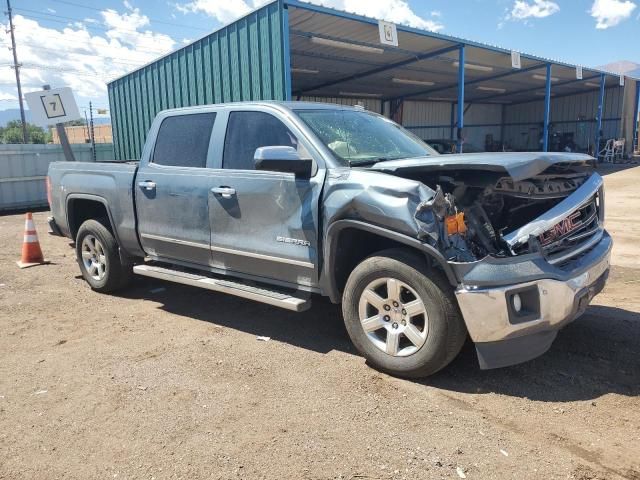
column 85, row 43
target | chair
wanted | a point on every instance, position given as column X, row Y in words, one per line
column 607, row 152
column 618, row 149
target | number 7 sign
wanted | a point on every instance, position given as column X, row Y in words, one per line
column 49, row 107
column 53, row 106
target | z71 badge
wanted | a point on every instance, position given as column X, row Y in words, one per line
column 294, row 241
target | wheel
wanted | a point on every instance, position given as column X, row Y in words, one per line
column 401, row 315
column 98, row 257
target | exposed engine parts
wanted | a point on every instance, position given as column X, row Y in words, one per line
column 468, row 215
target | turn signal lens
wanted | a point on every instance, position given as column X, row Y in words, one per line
column 48, row 184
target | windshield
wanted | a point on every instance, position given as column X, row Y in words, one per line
column 360, row 137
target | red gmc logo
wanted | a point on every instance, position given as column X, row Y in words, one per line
column 561, row 229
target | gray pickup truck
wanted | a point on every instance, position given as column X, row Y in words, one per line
column 276, row 202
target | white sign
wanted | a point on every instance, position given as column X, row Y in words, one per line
column 579, row 72
column 515, row 60
column 49, row 107
column 622, row 80
column 388, row 33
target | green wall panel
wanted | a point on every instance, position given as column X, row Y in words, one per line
column 242, row 61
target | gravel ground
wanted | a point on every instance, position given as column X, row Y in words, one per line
column 165, row 381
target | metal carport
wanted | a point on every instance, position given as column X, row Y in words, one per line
column 433, row 84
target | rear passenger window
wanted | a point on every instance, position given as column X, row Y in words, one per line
column 247, row 131
column 183, row 140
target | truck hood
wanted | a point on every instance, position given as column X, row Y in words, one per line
column 519, row 166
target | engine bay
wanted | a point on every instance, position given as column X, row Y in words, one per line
column 474, row 210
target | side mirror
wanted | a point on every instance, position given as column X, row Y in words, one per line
column 282, row 159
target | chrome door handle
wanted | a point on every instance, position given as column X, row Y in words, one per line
column 147, row 185
column 224, row 192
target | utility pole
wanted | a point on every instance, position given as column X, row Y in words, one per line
column 93, row 135
column 16, row 67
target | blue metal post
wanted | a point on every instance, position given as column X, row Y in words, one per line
column 599, row 115
column 453, row 121
column 547, row 111
column 461, row 62
column 636, row 145
column 286, row 53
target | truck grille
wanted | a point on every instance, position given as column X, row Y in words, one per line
column 574, row 235
column 571, row 228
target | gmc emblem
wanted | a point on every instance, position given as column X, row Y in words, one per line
column 561, row 229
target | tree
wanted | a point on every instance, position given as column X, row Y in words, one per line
column 12, row 133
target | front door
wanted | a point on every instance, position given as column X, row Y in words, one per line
column 173, row 188
column 263, row 223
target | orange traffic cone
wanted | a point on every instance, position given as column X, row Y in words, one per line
column 31, row 252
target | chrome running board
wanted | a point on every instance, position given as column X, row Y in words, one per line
column 271, row 297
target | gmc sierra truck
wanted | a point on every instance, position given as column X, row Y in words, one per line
column 277, row 202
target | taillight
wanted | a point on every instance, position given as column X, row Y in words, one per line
column 48, row 183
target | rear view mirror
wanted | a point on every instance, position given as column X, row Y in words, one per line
column 282, row 159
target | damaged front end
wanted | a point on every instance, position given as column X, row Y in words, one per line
column 475, row 213
column 524, row 235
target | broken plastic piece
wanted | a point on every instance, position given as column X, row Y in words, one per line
column 455, row 224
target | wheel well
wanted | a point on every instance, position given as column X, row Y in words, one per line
column 354, row 245
column 81, row 209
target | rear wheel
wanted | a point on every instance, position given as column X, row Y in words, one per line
column 99, row 259
column 401, row 315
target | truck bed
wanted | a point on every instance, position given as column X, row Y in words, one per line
column 111, row 183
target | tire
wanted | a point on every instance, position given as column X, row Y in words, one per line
column 98, row 256
column 425, row 336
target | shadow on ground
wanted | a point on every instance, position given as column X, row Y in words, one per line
column 609, row 168
column 595, row 355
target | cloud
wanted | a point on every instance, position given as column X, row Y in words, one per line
column 523, row 10
column 609, row 13
column 397, row 11
column 224, row 11
column 76, row 57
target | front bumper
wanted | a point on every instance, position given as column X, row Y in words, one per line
column 552, row 297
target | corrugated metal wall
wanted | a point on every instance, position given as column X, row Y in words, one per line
column 371, row 104
column 432, row 120
column 23, row 169
column 242, row 61
column 575, row 113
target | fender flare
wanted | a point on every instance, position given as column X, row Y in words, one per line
column 103, row 201
column 327, row 278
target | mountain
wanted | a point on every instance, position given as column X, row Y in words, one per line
column 631, row 69
column 14, row 114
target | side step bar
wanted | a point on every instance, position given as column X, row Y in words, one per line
column 271, row 297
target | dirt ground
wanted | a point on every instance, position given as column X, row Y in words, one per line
column 165, row 381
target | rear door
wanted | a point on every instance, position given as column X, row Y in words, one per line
column 172, row 190
column 264, row 223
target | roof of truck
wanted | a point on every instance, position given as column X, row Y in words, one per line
column 290, row 105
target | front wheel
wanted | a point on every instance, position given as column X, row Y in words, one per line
column 401, row 315
column 99, row 259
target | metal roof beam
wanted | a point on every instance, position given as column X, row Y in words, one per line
column 527, row 90
column 472, row 82
column 383, row 68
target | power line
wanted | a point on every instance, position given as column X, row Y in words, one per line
column 112, row 59
column 173, row 24
column 72, row 42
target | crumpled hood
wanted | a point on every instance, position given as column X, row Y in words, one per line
column 519, row 166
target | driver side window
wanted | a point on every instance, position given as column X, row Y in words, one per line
column 247, row 131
